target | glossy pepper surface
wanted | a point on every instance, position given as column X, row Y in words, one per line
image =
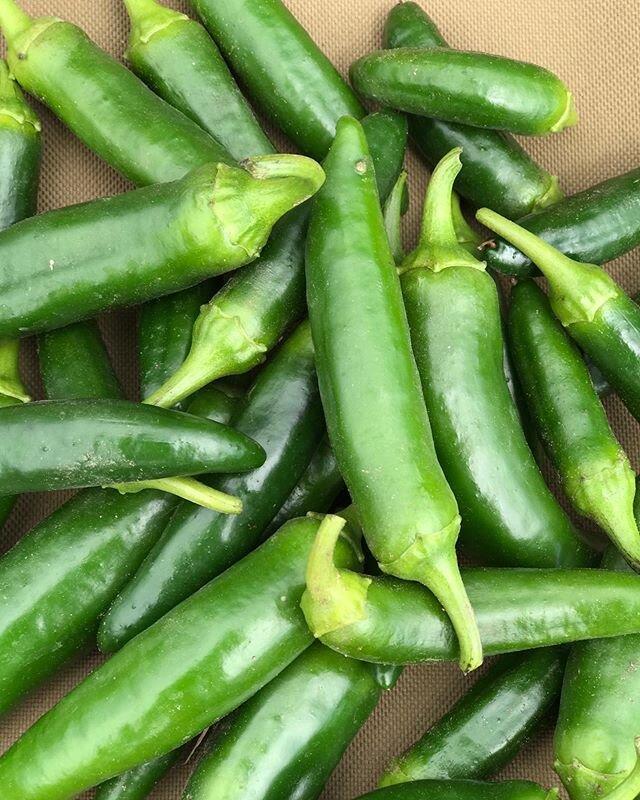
column 137, row 783
column 367, row 374
column 596, row 225
column 79, row 260
column 470, row 88
column 497, row 172
column 210, row 654
column 510, row 517
column 463, row 790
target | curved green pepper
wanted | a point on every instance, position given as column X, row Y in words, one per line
column 287, row 740
column 389, row 621
column 488, row 726
column 497, row 172
column 103, row 103
column 298, row 88
column 595, row 311
column 78, row 260
column 137, row 783
column 596, row 225
column 471, row 88
column 95, row 442
column 463, row 790
column 592, row 465
column 510, row 518
column 367, row 374
column 176, row 57
column 210, row 654
column 598, row 720
column 282, row 411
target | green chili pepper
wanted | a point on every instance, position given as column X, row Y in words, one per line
column 489, row 725
column 103, row 103
column 496, row 172
column 78, row 260
column 471, row 88
column 387, row 133
column 593, row 467
column 602, row 319
column 463, row 790
column 596, row 225
column 367, row 374
column 176, row 57
column 299, row 88
column 598, row 721
column 209, row 655
column 282, row 411
column 137, row 783
column 510, row 516
column 287, row 740
column 389, row 621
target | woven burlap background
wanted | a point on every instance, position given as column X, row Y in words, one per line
column 593, row 46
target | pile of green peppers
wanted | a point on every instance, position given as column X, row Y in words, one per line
column 270, row 535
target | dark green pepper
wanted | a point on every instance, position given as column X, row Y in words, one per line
column 79, row 260
column 282, row 410
column 176, row 57
column 282, row 68
column 510, row 518
column 367, row 375
column 496, row 171
column 471, row 88
column 596, row 225
column 137, row 783
column 595, row 311
column 389, row 621
column 463, row 790
column 209, row 655
column 489, row 725
column 287, row 740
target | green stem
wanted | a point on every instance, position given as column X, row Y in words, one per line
column 148, row 17
column 188, row 489
column 13, row 20
column 629, row 789
column 467, row 237
column 577, row 291
column 393, row 217
column 12, row 102
column 11, row 385
column 334, row 598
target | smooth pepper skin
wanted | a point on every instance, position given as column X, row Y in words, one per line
column 91, row 257
column 489, row 725
column 137, row 783
column 510, row 517
column 573, row 425
column 598, row 719
column 367, row 374
column 177, row 58
column 497, row 172
column 283, row 412
column 471, row 88
column 595, row 311
column 102, row 102
column 98, row 442
column 210, row 654
column 300, row 90
column 463, row 790
column 596, row 225
column 287, row 740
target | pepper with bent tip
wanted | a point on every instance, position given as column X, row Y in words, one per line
column 463, row 790
column 476, row 89
column 510, row 518
column 367, row 374
column 489, row 725
column 282, row 410
column 210, row 654
column 389, row 621
column 596, row 225
column 595, row 311
column 497, row 172
column 287, row 740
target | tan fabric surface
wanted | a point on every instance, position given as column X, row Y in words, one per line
column 593, row 46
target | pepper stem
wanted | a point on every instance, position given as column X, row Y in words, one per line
column 577, row 291
column 12, row 102
column 393, row 217
column 629, row 789
column 11, row 386
column 334, row 598
column 465, row 234
column 13, row 20
column 147, row 18
column 188, row 489
column 439, row 247
column 220, row 346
